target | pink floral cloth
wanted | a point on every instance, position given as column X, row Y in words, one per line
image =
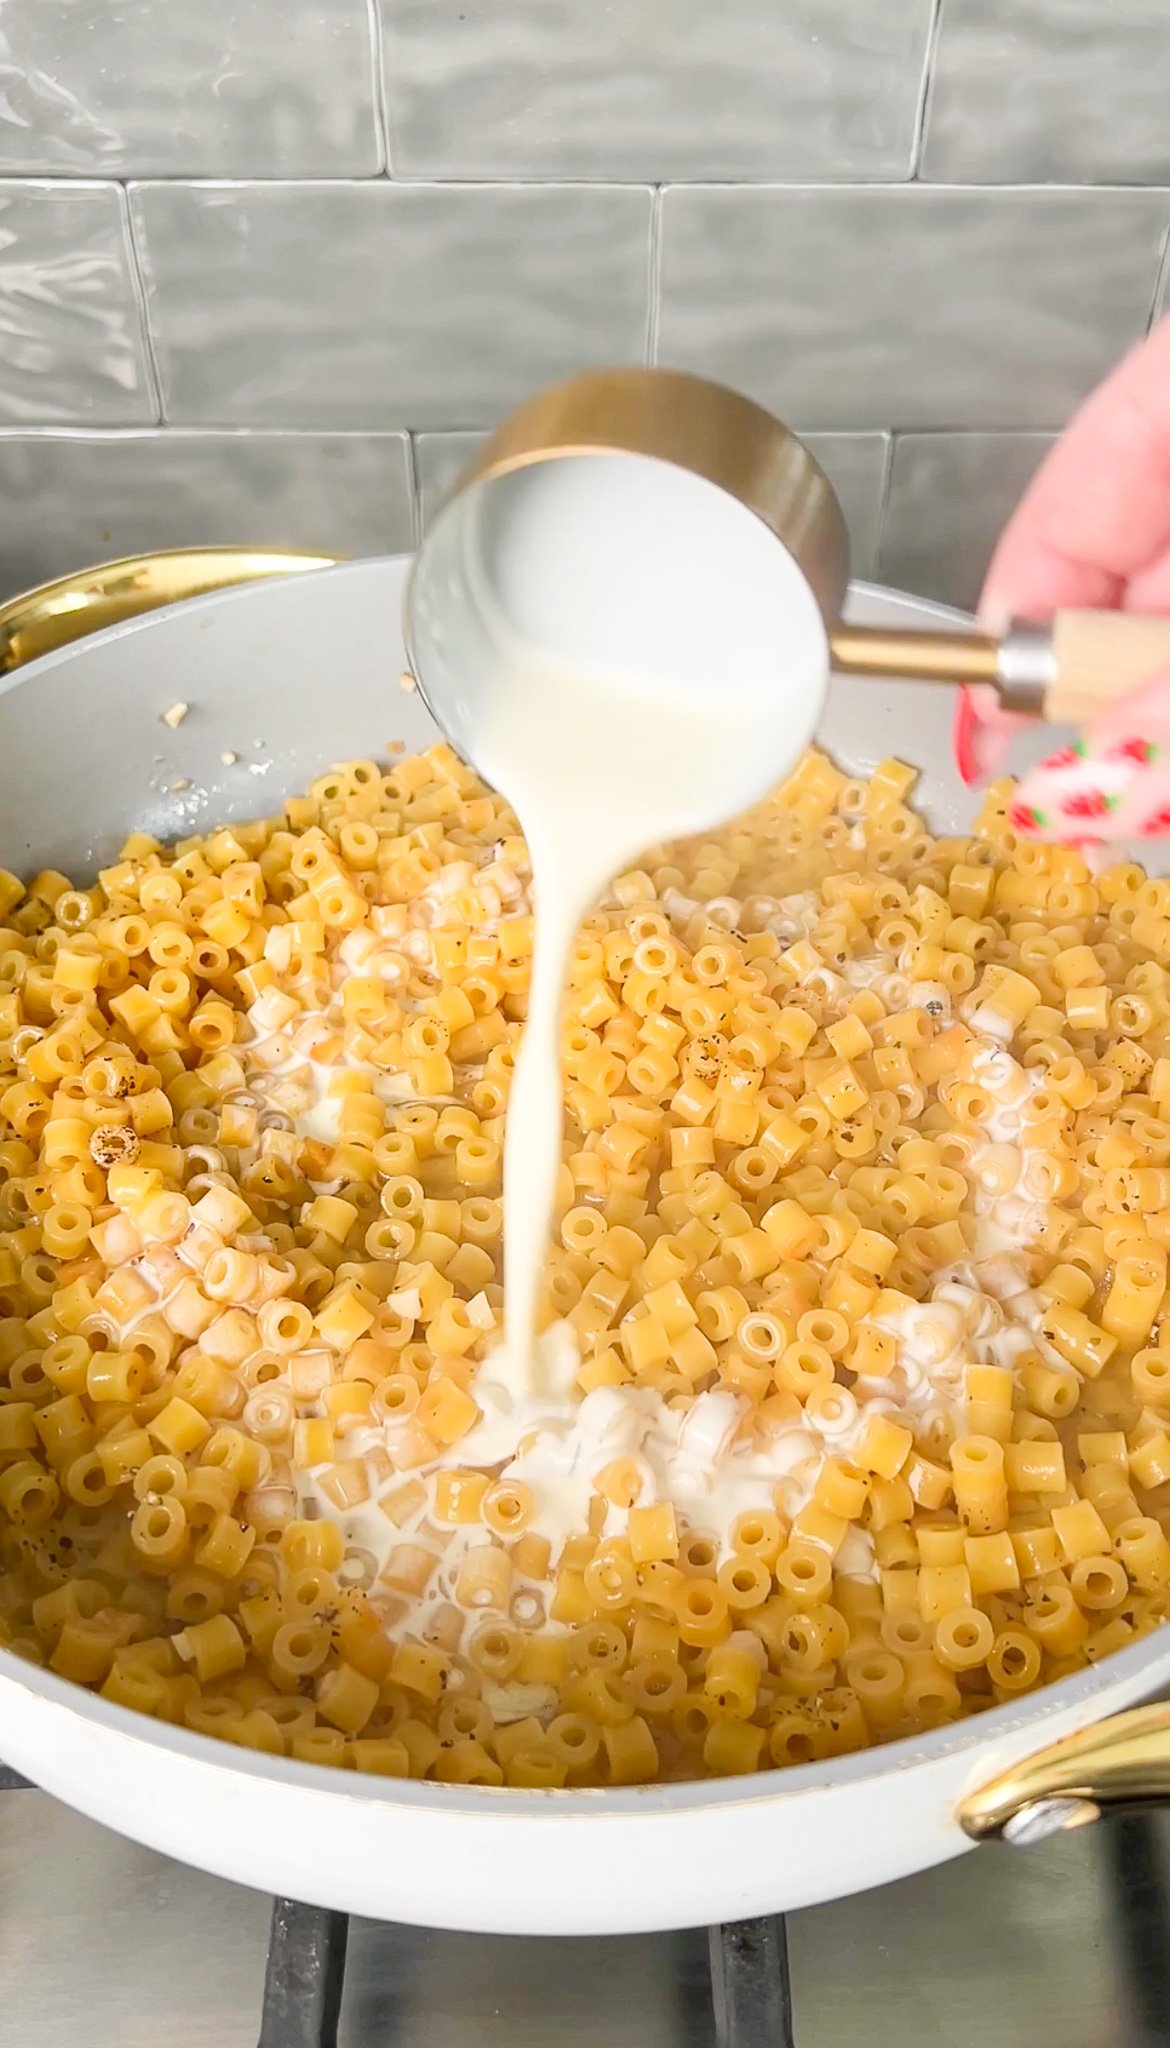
column 1112, row 783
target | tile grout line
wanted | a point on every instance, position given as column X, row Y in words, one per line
column 43, row 430
column 925, row 91
column 1161, row 282
column 381, row 98
column 137, row 258
column 415, row 488
column 983, row 188
column 654, row 277
column 884, row 506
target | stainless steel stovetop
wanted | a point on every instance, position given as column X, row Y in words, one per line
column 106, row 1945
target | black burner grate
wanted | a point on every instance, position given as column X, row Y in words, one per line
column 305, row 1976
column 750, row 1987
column 751, row 1995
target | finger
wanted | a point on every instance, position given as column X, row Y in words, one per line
column 1149, row 590
column 1097, row 514
column 1112, row 783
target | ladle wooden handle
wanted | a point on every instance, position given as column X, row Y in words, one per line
column 1065, row 672
column 1099, row 656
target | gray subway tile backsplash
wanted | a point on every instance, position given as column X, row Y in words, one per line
column 911, row 306
column 70, row 500
column 270, row 271
column 1033, row 90
column 72, row 346
column 856, row 466
column 439, row 462
column 188, row 88
column 949, row 498
column 383, row 305
column 746, row 89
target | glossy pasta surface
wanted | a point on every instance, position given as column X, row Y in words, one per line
column 857, row 1307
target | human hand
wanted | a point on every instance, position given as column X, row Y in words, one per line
column 1093, row 529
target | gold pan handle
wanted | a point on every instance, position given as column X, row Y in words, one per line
column 1117, row 1766
column 55, row 614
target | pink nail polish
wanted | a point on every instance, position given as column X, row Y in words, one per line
column 982, row 733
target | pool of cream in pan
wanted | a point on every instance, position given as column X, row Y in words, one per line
column 704, row 1458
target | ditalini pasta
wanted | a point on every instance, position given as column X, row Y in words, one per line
column 855, row 1381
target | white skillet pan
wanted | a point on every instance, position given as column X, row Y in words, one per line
column 292, row 674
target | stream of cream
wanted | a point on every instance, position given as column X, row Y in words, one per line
column 647, row 762
column 673, row 716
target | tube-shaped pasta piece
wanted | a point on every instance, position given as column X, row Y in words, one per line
column 484, row 1578
column 1053, row 1617
column 653, row 1533
column 1144, row 1550
column 978, row 1472
column 992, row 1563
column 1014, row 1662
column 804, row 1572
column 1035, row 1467
column 611, row 1578
column 346, row 1698
column 214, row 1647
column 1080, row 1530
column 1134, row 1299
column 878, row 1679
column 1098, row 1582
column 963, row 1639
column 1149, row 1460
column 1085, row 1344
column 631, row 1751
column 884, row 1447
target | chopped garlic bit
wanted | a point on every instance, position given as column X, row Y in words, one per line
column 406, row 681
column 515, row 1702
column 406, row 1302
column 180, row 783
column 175, row 716
column 229, row 759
